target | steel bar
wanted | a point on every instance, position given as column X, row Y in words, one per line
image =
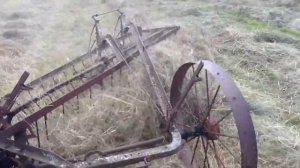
column 127, row 158
column 152, row 74
column 33, row 153
column 143, row 144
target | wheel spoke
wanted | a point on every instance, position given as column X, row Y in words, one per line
column 194, row 152
column 210, row 107
column 226, row 115
column 230, row 152
column 207, row 95
column 191, row 111
column 219, row 161
column 205, row 148
column 207, row 160
column 224, row 135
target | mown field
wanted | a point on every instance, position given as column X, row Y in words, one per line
column 257, row 42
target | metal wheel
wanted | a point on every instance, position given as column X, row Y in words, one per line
column 213, row 118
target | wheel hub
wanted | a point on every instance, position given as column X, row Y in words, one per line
column 209, row 129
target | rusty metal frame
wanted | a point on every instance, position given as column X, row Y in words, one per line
column 114, row 160
column 153, row 39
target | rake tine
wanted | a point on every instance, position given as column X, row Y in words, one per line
column 75, row 71
column 90, row 90
column 63, row 108
column 82, row 62
column 28, row 91
column 65, row 74
column 72, row 85
column 111, row 80
column 54, row 80
column 50, row 97
column 35, row 102
column 24, row 111
column 46, row 127
column 61, row 91
column 77, row 98
column 37, row 133
column 42, row 85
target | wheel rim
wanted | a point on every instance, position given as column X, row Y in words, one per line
column 213, row 117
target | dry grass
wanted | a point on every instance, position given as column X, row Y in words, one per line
column 267, row 73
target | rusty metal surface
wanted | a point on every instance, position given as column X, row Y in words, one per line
column 238, row 104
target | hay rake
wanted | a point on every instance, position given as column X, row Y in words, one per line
column 202, row 97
